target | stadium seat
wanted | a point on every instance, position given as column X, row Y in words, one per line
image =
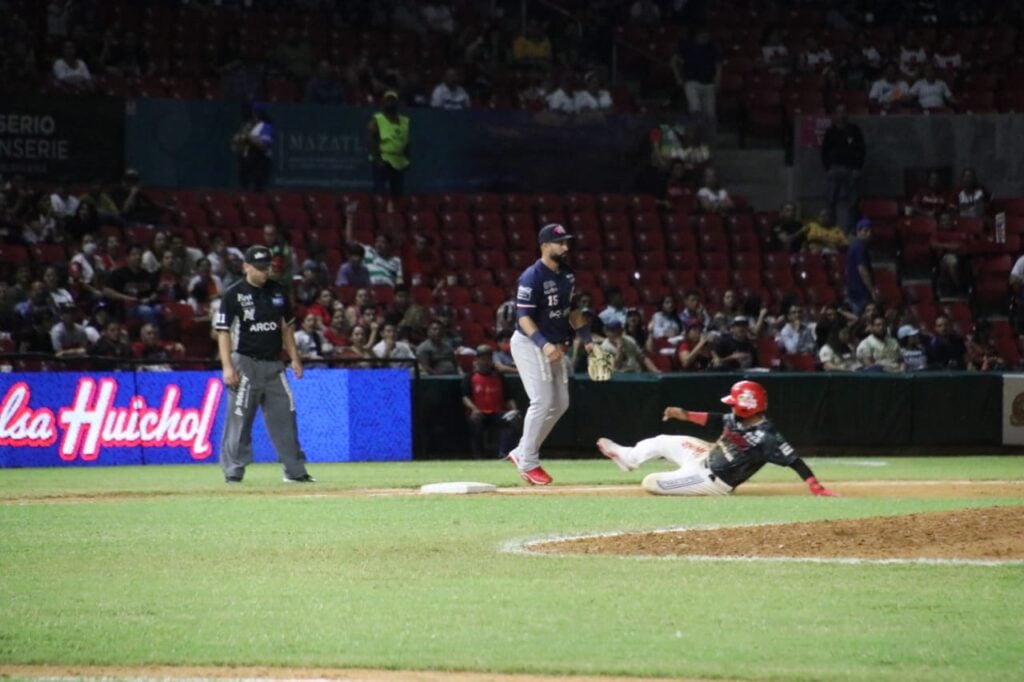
column 649, row 240
column 800, row 362
column 612, row 202
column 547, row 203
column 879, row 209
column 485, row 202
column 492, row 259
column 579, row 202
column 620, row 261
column 651, row 261
column 918, row 292
column 490, row 237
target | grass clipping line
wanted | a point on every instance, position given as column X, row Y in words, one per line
column 992, row 533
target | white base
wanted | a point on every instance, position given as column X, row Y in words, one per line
column 457, row 488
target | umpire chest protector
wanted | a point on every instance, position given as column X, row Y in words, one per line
column 254, row 316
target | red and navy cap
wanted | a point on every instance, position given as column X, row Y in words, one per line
column 554, row 232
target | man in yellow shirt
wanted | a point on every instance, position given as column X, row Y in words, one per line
column 388, row 133
column 533, row 47
column 824, row 236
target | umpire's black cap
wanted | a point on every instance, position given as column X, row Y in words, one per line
column 554, row 232
column 258, row 256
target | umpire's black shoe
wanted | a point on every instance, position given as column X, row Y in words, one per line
column 304, row 478
column 232, row 479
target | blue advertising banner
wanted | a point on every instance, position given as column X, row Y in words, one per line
column 119, row 418
column 187, row 144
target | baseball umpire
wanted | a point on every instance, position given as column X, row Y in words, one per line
column 538, row 347
column 254, row 322
column 747, row 442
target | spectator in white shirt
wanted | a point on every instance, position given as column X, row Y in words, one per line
column 562, row 99
column 774, row 53
column 712, row 197
column 931, row 92
column 449, row 94
column 645, row 12
column 890, row 89
column 71, row 72
column 878, row 350
column 310, row 341
column 795, row 336
column 814, row 57
column 912, row 56
column 592, row 97
column 438, row 17
column 64, row 204
column 947, row 57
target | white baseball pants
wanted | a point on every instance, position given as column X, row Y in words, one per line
column 547, row 386
column 693, row 477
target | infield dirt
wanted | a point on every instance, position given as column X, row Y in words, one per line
column 991, row 533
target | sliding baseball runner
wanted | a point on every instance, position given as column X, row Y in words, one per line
column 747, row 442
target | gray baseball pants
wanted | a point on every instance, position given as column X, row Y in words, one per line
column 547, row 385
column 262, row 384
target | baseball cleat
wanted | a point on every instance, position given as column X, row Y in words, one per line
column 536, row 476
column 608, row 449
column 304, row 478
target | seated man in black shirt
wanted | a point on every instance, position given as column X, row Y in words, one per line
column 111, row 347
column 134, row 205
column 735, row 351
column 946, row 350
column 137, row 287
column 788, row 233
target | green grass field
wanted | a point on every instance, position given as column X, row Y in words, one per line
column 167, row 565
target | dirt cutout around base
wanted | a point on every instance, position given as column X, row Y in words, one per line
column 989, row 534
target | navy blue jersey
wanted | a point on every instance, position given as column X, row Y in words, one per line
column 545, row 296
column 741, row 451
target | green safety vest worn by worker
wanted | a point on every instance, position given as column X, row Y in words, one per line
column 394, row 138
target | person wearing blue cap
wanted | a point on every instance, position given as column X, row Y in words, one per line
column 860, row 284
column 543, row 327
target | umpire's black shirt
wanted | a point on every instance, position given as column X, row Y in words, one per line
column 253, row 315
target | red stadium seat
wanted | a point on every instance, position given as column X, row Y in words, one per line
column 648, row 261
column 611, row 203
column 577, row 202
column 515, row 203
column 879, row 209
column 490, row 238
column 620, row 261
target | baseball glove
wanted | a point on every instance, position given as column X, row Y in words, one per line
column 600, row 364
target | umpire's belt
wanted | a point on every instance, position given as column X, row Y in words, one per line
column 263, row 358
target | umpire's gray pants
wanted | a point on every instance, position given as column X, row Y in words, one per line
column 261, row 384
column 547, row 385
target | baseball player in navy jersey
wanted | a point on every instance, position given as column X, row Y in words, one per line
column 747, row 442
column 543, row 326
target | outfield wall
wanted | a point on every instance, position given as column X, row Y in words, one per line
column 905, row 411
column 117, row 418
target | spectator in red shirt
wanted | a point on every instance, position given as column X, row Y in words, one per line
column 694, row 353
column 323, row 307
column 484, row 395
column 422, row 262
column 932, row 200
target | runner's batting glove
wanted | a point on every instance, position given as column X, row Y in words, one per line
column 510, row 416
column 818, row 489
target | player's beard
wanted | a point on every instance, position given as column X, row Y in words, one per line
column 558, row 258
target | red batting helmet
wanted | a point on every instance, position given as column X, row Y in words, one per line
column 747, row 399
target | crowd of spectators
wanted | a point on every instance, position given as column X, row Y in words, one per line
column 139, row 290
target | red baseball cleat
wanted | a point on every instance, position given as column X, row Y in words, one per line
column 536, row 476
